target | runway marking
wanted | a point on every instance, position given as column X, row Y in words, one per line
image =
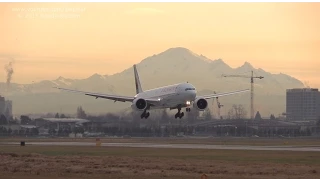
column 183, row 146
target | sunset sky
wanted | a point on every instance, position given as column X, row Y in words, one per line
column 106, row 38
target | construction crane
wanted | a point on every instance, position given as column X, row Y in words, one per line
column 252, row 88
column 218, row 104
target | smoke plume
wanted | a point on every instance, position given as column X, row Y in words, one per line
column 9, row 70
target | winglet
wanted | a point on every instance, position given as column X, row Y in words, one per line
column 137, row 80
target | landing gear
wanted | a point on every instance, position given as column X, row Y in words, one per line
column 188, row 109
column 145, row 115
column 179, row 114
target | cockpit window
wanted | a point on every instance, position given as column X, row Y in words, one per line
column 189, row 89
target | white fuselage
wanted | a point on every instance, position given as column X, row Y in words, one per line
column 171, row 96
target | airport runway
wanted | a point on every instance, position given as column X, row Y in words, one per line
column 184, row 146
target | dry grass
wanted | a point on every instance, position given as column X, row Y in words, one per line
column 213, row 141
column 115, row 162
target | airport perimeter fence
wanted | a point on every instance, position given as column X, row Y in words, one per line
column 145, row 132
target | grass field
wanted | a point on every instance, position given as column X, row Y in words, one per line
column 115, row 162
column 213, row 141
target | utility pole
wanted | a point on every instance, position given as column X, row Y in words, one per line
column 252, row 89
column 219, row 106
column 252, row 96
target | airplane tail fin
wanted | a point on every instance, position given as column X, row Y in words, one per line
column 137, row 80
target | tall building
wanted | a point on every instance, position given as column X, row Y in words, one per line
column 8, row 109
column 303, row 104
column 2, row 105
column 5, row 107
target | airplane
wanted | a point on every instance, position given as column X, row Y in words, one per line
column 176, row 96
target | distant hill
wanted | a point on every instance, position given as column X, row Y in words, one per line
column 171, row 66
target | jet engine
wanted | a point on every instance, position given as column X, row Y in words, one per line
column 139, row 104
column 200, row 104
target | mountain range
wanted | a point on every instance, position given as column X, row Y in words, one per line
column 171, row 66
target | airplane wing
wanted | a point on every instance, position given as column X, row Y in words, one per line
column 98, row 95
column 223, row 94
column 108, row 96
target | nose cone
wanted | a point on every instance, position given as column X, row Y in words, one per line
column 193, row 94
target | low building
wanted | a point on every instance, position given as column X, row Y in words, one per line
column 65, row 125
column 18, row 130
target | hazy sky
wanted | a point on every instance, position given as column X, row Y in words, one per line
column 86, row 38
